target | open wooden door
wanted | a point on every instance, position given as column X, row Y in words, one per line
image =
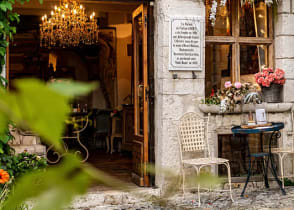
column 141, row 90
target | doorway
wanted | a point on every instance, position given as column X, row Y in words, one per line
column 120, row 138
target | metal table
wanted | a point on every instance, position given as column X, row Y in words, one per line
column 274, row 129
column 81, row 120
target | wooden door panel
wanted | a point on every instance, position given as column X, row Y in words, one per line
column 141, row 87
column 137, row 154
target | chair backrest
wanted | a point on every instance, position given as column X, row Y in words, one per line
column 192, row 133
column 103, row 123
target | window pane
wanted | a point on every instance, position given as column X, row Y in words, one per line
column 217, row 66
column 254, row 18
column 251, row 59
column 223, row 20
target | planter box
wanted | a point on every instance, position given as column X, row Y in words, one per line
column 269, row 107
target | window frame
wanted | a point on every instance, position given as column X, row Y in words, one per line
column 236, row 40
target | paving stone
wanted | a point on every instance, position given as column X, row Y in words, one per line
column 260, row 198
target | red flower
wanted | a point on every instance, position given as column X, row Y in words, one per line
column 212, row 92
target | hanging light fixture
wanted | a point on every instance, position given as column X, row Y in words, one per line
column 68, row 26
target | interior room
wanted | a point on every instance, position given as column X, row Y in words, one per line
column 104, row 58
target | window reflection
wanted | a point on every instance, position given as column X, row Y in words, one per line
column 223, row 20
column 252, row 58
column 253, row 20
column 217, row 66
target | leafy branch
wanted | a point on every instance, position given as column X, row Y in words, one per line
column 8, row 19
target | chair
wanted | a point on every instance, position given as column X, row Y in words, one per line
column 116, row 131
column 282, row 152
column 192, row 135
column 102, row 124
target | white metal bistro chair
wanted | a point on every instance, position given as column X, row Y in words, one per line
column 192, row 134
column 282, row 152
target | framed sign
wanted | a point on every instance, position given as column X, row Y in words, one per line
column 260, row 116
column 186, row 43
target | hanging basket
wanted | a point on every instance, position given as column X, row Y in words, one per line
column 272, row 94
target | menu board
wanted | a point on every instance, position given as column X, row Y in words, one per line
column 185, row 50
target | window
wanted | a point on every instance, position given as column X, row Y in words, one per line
column 239, row 44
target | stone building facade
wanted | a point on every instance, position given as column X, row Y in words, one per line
column 174, row 97
column 178, row 92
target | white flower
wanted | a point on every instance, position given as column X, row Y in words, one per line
column 223, row 106
column 212, row 16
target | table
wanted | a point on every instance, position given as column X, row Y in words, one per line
column 274, row 129
column 80, row 121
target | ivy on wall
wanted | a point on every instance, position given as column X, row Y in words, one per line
column 8, row 20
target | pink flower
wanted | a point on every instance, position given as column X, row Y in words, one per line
column 282, row 81
column 257, row 75
column 238, row 85
column 280, row 73
column 228, row 84
column 271, row 78
column 260, row 80
column 265, row 73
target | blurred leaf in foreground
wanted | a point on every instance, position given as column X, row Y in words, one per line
column 40, row 108
column 51, row 189
column 70, row 89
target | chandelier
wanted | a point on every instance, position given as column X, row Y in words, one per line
column 68, row 26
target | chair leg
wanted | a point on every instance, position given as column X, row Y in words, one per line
column 111, row 144
column 107, row 143
column 183, row 181
column 198, row 185
column 229, row 179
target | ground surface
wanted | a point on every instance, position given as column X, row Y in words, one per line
column 143, row 198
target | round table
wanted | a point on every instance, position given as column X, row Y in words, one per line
column 274, row 129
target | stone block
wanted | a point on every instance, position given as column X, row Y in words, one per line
column 287, row 65
column 183, row 86
column 288, row 95
column 284, row 25
column 32, row 149
column 284, row 6
column 283, row 50
column 30, row 140
column 174, row 106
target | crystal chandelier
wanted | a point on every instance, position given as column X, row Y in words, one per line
column 68, row 26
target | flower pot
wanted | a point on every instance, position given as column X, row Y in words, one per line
column 272, row 94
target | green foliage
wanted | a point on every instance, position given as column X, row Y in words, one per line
column 211, row 100
column 5, row 137
column 43, row 109
column 38, row 107
column 58, row 184
column 7, row 21
column 21, row 164
column 288, row 182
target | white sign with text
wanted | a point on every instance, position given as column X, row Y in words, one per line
column 185, row 50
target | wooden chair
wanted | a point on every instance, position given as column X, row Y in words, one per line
column 116, row 131
column 102, row 125
column 192, row 135
column 282, row 152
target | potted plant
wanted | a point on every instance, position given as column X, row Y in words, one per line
column 271, row 83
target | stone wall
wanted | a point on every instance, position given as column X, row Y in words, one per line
column 284, row 45
column 174, row 97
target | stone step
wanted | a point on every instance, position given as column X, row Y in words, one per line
column 26, row 140
column 37, row 149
